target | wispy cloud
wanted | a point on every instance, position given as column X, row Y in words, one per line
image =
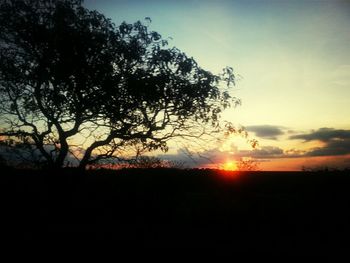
column 323, row 134
column 334, row 147
column 265, row 152
column 336, row 141
column 266, row 131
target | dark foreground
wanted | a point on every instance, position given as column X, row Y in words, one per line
column 283, row 212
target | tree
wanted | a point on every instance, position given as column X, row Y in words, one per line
column 73, row 83
column 247, row 164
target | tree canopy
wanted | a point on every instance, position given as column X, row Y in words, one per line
column 72, row 82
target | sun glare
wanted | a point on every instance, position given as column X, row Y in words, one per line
column 230, row 166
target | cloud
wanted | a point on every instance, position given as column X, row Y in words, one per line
column 323, row 134
column 334, row 152
column 196, row 159
column 20, row 155
column 337, row 141
column 266, row 131
column 265, row 152
column 334, row 147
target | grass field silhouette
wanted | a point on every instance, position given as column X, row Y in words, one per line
column 184, row 208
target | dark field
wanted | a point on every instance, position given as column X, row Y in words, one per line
column 296, row 212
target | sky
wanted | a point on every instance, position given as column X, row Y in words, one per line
column 292, row 62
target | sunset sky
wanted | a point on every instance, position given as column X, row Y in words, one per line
column 293, row 62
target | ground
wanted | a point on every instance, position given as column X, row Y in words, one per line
column 299, row 212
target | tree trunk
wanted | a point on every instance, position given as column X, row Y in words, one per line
column 85, row 161
column 59, row 162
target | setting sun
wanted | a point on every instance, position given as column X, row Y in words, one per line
column 230, row 166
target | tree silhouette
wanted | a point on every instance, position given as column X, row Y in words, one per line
column 72, row 82
column 247, row 164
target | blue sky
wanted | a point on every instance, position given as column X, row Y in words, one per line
column 293, row 58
